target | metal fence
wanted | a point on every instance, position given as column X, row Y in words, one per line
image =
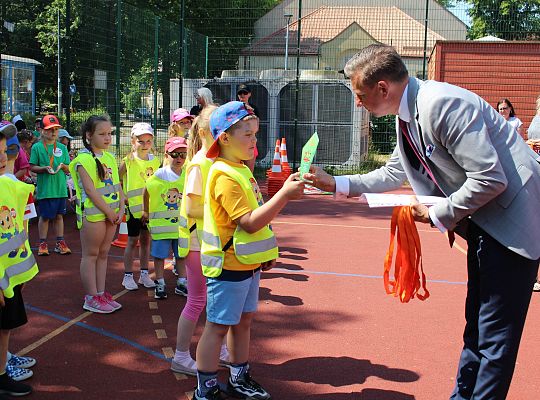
column 138, row 62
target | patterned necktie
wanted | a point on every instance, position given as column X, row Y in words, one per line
column 416, row 160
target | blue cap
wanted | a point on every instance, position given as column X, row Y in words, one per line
column 8, row 129
column 222, row 119
column 10, row 143
column 63, row 133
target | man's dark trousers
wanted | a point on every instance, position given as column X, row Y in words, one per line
column 499, row 290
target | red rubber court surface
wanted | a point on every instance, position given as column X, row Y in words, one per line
column 325, row 329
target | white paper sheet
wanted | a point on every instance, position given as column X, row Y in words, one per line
column 375, row 200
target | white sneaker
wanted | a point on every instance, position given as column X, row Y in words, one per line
column 129, row 283
column 146, row 281
column 536, row 287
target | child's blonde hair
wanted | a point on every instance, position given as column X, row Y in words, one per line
column 200, row 127
column 174, row 130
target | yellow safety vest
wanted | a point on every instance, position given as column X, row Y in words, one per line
column 109, row 188
column 17, row 263
column 249, row 248
column 164, row 200
column 137, row 173
column 187, row 225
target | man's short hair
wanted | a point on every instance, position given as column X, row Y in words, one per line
column 377, row 62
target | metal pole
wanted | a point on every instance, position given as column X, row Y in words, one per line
column 117, row 80
column 59, row 88
column 67, row 71
column 206, row 59
column 182, row 34
column 425, row 41
column 297, row 86
column 156, row 65
column 288, row 16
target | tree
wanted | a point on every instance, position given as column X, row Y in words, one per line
column 505, row 19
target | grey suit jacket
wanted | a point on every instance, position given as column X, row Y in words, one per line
column 484, row 168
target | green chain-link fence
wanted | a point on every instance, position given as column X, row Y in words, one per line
column 139, row 60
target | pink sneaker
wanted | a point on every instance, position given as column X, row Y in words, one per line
column 97, row 304
column 109, row 299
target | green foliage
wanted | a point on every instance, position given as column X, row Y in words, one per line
column 446, row 3
column 383, row 134
column 505, row 19
column 79, row 117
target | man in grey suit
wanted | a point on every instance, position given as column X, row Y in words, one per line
column 451, row 143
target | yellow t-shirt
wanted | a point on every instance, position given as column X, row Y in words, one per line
column 228, row 202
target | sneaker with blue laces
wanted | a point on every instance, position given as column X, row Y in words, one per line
column 20, row 362
column 18, row 374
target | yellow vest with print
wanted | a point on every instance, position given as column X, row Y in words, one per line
column 188, row 224
column 109, row 188
column 249, row 248
column 17, row 263
column 137, row 173
column 164, row 200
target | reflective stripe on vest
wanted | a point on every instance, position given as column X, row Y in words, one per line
column 137, row 208
column 261, row 246
column 212, row 240
column 13, row 244
column 183, row 222
column 183, row 242
column 96, row 211
column 135, row 192
column 212, row 261
column 108, row 189
column 163, row 229
column 164, row 214
column 16, row 269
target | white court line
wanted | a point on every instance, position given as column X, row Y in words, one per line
column 344, row 226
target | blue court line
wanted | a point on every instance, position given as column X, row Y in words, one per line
column 334, row 273
column 99, row 331
column 359, row 275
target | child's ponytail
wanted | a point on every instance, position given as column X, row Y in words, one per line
column 200, row 127
column 89, row 127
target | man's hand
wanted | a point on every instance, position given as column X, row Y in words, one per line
column 419, row 211
column 268, row 265
column 2, row 301
column 320, row 179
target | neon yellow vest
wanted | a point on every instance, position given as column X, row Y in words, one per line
column 109, row 188
column 17, row 263
column 137, row 173
column 164, row 200
column 249, row 248
column 188, row 224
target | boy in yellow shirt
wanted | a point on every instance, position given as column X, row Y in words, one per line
column 236, row 244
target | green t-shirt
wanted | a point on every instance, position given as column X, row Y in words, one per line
column 50, row 186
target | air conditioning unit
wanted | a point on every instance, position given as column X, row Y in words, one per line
column 325, row 105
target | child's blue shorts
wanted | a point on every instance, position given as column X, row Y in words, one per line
column 162, row 248
column 227, row 300
column 50, row 208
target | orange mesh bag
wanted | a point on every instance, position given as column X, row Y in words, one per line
column 409, row 275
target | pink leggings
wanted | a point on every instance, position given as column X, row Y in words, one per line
column 196, row 299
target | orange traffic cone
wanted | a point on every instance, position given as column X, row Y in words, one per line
column 284, row 160
column 269, row 171
column 122, row 239
column 276, row 178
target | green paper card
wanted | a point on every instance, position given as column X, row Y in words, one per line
column 308, row 154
